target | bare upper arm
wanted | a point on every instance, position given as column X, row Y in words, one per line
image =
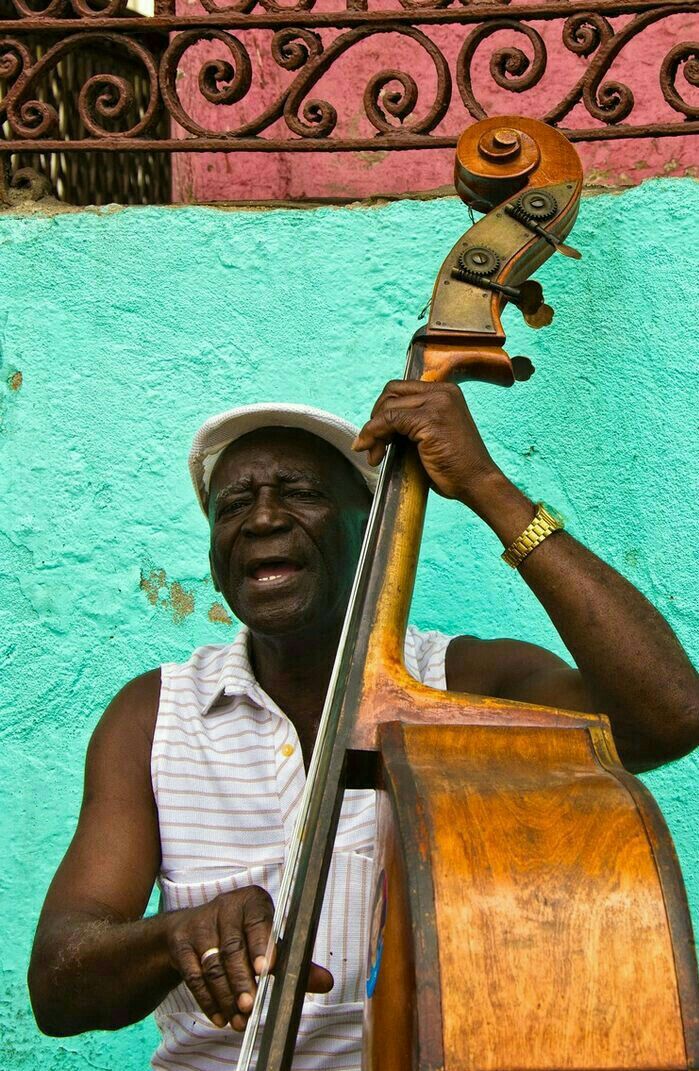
column 513, row 669
column 113, row 859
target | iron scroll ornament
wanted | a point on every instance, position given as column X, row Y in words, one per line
column 400, row 112
column 502, row 163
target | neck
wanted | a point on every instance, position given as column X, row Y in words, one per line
column 295, row 672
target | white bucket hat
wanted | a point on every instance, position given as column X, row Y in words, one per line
column 219, row 431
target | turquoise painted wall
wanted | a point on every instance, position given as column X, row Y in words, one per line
column 121, row 330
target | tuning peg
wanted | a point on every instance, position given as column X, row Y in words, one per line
column 531, row 304
column 529, row 297
column 541, row 318
column 561, row 247
column 522, row 369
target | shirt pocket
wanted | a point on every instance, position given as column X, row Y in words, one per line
column 193, row 892
column 341, row 941
column 202, row 887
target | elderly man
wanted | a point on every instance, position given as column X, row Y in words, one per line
column 194, row 773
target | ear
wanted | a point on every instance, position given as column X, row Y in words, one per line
column 217, row 586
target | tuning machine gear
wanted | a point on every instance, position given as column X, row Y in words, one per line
column 478, row 260
column 535, row 207
column 476, row 264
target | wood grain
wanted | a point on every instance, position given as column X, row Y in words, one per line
column 554, row 945
column 390, row 1015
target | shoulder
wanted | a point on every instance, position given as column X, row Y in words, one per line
column 129, row 719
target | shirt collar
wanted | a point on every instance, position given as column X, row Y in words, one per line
column 237, row 680
column 236, row 677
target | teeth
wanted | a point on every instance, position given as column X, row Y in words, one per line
column 274, row 576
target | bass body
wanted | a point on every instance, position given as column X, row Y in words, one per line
column 528, row 910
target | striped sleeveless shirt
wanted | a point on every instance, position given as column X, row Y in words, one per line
column 227, row 773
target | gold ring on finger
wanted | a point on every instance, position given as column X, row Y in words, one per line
column 210, row 952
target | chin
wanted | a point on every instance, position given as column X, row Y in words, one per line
column 279, row 620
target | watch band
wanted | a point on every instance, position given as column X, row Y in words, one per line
column 543, row 525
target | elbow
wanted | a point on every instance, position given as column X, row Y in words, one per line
column 684, row 734
column 44, row 1005
column 54, row 1021
column 48, row 993
column 689, row 730
column 678, row 737
column 43, row 1008
column 50, row 1025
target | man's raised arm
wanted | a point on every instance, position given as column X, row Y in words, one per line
column 629, row 663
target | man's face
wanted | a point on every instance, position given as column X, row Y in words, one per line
column 287, row 514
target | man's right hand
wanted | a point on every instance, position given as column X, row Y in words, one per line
column 237, row 925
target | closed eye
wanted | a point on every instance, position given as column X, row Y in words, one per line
column 303, row 494
column 232, row 505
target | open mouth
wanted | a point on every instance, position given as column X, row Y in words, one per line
column 273, row 570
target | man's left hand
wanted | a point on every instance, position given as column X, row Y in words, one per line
column 436, row 418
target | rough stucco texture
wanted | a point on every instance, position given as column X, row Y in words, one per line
column 121, row 330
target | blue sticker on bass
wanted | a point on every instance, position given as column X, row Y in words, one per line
column 378, row 923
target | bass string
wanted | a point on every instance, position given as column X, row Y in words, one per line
column 327, row 730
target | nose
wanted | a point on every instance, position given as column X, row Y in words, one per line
column 266, row 516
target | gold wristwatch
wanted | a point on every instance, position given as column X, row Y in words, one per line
column 546, row 521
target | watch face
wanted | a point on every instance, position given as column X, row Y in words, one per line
column 558, row 517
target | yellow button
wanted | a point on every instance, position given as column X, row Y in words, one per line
column 288, row 749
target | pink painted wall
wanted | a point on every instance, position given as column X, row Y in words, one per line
column 246, row 176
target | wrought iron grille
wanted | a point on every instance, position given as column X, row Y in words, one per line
column 94, row 177
column 132, row 101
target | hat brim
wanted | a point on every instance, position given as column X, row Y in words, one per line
column 221, row 430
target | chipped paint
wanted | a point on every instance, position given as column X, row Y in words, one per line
column 181, row 601
column 15, row 380
column 169, row 595
column 152, row 584
column 219, row 614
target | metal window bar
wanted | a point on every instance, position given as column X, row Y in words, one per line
column 91, row 77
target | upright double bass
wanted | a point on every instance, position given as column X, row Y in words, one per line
column 529, row 913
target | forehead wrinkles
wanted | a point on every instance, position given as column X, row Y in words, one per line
column 248, row 481
column 278, row 454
